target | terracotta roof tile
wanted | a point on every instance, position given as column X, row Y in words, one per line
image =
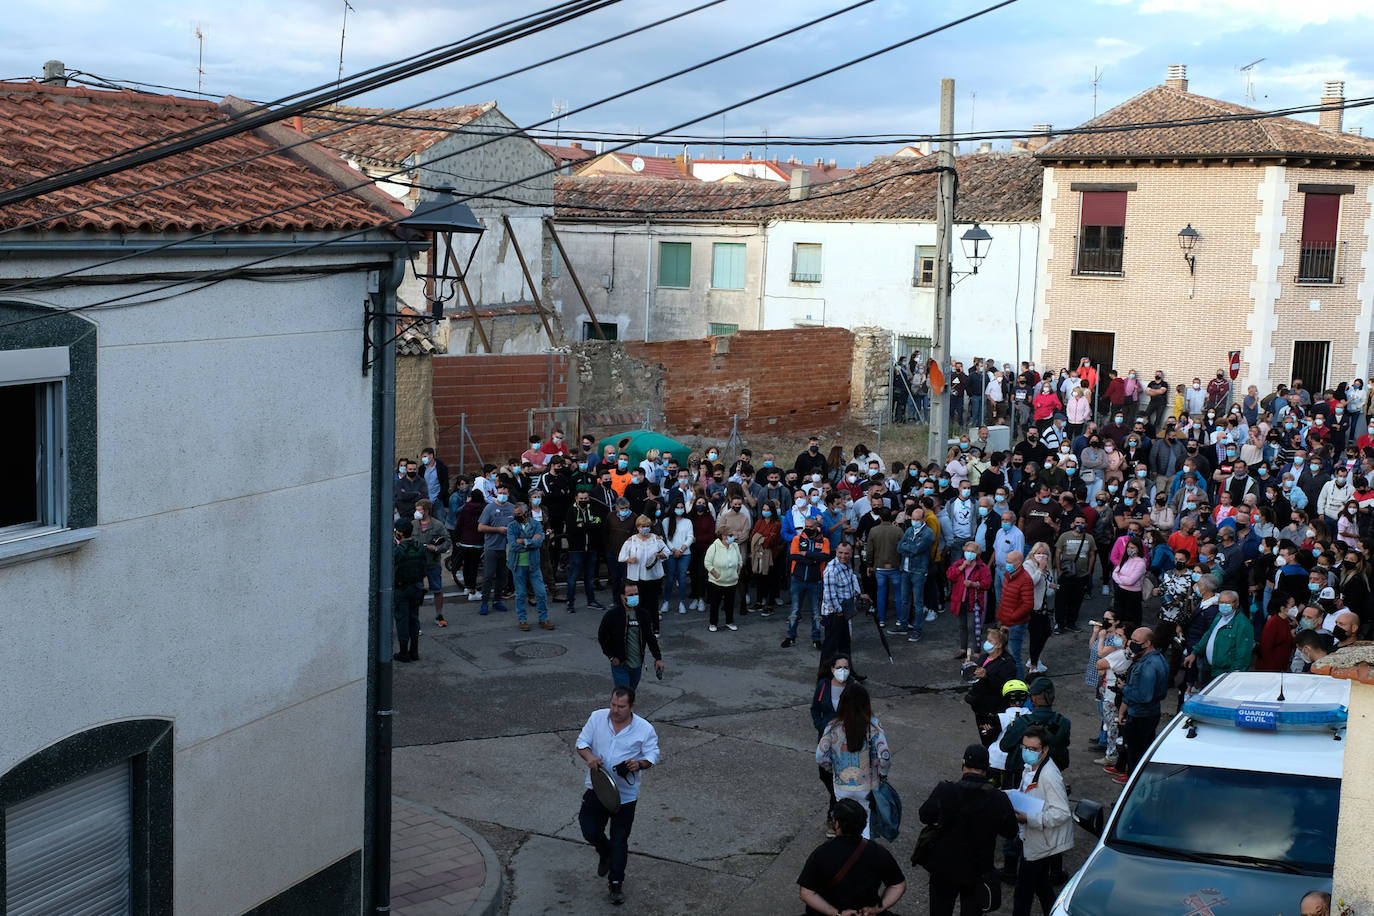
column 566, row 155
column 391, row 138
column 993, row 187
column 45, row 129
column 1269, row 137
column 621, row 163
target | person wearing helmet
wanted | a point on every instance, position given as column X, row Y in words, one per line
column 990, row 675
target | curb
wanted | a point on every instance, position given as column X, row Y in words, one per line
column 488, row 902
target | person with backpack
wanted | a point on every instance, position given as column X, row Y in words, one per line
column 853, row 748
column 409, row 567
column 967, row 817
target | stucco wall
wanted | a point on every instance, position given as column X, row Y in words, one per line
column 228, row 586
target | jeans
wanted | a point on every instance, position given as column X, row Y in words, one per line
column 975, row 409
column 1017, row 639
column 623, row 675
column 493, row 574
column 581, row 565
column 888, row 580
column 805, row 593
column 593, row 818
column 913, row 598
column 532, row 577
column 675, row 574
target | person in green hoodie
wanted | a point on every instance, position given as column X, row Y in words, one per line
column 1228, row 643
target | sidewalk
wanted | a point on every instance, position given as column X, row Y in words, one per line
column 439, row 866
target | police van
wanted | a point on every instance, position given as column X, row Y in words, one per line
column 1233, row 809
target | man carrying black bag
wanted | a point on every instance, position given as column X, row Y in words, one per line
column 963, row 821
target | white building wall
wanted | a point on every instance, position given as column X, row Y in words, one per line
column 715, row 171
column 867, row 271
column 228, row 586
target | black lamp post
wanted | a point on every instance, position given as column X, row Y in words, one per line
column 445, row 216
column 976, row 242
column 1187, row 239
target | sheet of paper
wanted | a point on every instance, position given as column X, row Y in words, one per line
column 1026, row 804
column 997, row 758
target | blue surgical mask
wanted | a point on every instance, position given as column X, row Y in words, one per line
column 632, row 601
column 988, row 646
column 767, row 513
column 501, row 497
column 1044, row 500
column 1111, row 488
column 623, row 513
column 1129, row 501
column 680, row 510
column 982, row 511
column 928, row 491
column 622, row 464
column 911, row 472
column 1197, row 577
column 944, row 481
column 1314, row 587
column 1225, row 610
column 1006, row 526
column 1011, row 567
column 970, row 555
column 963, row 446
column 1071, row 470
column 768, row 463
column 1316, row 551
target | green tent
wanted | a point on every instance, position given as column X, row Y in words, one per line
column 641, row 440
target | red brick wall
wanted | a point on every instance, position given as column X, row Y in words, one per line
column 786, row 380
column 495, row 392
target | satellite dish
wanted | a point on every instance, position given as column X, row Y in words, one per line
column 637, row 164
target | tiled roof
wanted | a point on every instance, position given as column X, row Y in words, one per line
column 46, row 129
column 993, row 187
column 1270, row 137
column 622, row 164
column 568, row 154
column 393, row 137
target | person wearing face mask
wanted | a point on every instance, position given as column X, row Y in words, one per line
column 524, row 543
column 811, row 461
column 1047, row 833
column 825, row 701
column 1309, row 646
column 642, row 555
column 1015, row 605
column 1146, row 686
column 494, row 524
column 1277, row 635
column 1333, row 495
column 678, row 538
column 1129, row 577
column 722, row 562
column 408, row 490
column 626, row 630
column 1075, row 557
column 809, row 553
column 993, row 670
column 620, row 527
column 1228, row 643
column 585, row 529
column 433, row 539
column 470, row 543
column 408, row 565
column 765, row 550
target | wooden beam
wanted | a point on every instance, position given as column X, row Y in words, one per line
column 572, row 273
column 462, row 284
column 524, row 268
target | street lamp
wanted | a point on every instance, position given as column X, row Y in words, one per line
column 976, row 243
column 445, row 216
column 1187, row 239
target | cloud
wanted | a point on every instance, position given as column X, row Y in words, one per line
column 1276, row 15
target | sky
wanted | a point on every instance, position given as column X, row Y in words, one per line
column 1030, row 63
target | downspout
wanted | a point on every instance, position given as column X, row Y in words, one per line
column 1035, row 294
column 648, row 274
column 763, row 276
column 377, row 806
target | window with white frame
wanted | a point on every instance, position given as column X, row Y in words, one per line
column 806, row 262
column 33, row 400
column 924, row 274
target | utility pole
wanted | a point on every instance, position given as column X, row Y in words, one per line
column 944, row 241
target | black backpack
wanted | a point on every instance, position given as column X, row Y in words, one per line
column 410, row 565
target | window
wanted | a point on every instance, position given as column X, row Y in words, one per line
column 1320, row 219
column 1101, row 233
column 556, row 268
column 33, row 401
column 1310, row 359
column 723, row 330
column 609, row 331
column 727, row 265
column 87, row 823
column 925, row 266
column 675, row 264
column 806, row 262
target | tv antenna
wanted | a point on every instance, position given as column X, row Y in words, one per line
column 200, row 60
column 1097, row 78
column 343, row 33
column 972, row 105
column 560, row 107
column 1249, row 71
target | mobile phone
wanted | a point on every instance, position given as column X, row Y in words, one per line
column 658, row 673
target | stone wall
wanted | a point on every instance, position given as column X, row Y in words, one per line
column 415, row 424
column 870, row 377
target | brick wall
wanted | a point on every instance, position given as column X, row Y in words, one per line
column 787, row 380
column 495, row 391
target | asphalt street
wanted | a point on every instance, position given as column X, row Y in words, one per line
column 488, row 717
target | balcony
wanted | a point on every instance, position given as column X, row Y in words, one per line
column 1097, row 260
column 805, row 278
column 1317, row 263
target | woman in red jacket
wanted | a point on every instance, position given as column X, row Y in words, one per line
column 1018, row 600
column 1045, row 404
column 968, row 599
column 1276, row 639
column 766, row 538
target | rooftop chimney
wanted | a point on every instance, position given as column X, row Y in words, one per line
column 1178, row 77
column 1333, row 111
column 576, row 145
column 985, row 147
column 832, row 163
column 1034, row 143
column 1356, row 131
column 54, row 73
column 801, row 185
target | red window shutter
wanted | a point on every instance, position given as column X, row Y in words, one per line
column 1320, row 215
column 1104, row 208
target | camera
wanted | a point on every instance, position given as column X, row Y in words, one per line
column 623, row 770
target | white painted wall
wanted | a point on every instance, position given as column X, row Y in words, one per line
column 868, row 267
column 714, row 171
column 227, row 588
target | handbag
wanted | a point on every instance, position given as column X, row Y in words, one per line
column 884, row 804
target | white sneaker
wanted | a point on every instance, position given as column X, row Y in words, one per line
column 731, row 626
column 712, row 628
column 682, row 607
column 930, row 615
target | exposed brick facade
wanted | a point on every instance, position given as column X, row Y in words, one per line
column 494, row 391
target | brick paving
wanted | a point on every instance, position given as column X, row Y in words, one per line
column 435, row 868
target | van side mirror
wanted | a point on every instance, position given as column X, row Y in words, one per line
column 1089, row 816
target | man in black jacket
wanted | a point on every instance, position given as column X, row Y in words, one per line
column 972, row 815
column 625, row 631
column 811, row 461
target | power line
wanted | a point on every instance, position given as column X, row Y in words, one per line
column 163, row 147
column 373, row 119
column 713, row 114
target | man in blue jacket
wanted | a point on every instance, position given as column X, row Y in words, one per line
column 1146, row 685
column 914, row 548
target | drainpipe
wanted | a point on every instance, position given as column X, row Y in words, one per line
column 648, row 275
column 383, row 470
column 763, row 277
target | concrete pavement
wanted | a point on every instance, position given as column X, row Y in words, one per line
column 487, row 720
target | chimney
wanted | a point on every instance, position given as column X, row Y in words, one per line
column 793, row 160
column 1034, row 143
column 832, row 163
column 801, row 185
column 1356, row 131
column 577, row 144
column 1332, row 111
column 54, row 73
column 748, row 155
column 985, row 147
column 1178, row 77
column 924, row 147
column 298, row 124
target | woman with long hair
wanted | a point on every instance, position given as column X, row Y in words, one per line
column 853, row 748
column 992, row 672
column 825, row 703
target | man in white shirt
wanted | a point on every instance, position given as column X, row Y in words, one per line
column 626, row 746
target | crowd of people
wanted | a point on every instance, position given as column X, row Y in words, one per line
column 1227, row 536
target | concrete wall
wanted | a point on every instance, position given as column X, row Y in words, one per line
column 228, row 586
column 868, row 266
column 617, row 250
column 1243, row 295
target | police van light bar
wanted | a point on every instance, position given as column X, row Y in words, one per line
column 1267, row 716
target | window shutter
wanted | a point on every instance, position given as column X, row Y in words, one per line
column 67, row 851
column 727, row 269
column 1320, row 215
column 1103, row 208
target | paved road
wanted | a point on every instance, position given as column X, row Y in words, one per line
column 488, row 718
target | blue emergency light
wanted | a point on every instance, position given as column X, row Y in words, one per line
column 1271, row 716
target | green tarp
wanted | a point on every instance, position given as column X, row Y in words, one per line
column 641, row 440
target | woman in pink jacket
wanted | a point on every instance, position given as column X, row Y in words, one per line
column 1129, row 577
column 968, row 600
column 1045, row 404
column 1078, row 411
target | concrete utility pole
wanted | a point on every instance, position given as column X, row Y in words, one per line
column 944, row 241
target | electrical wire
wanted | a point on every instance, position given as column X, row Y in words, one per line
column 364, row 121
column 713, row 114
column 162, row 147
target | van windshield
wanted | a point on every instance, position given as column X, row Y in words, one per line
column 1241, row 817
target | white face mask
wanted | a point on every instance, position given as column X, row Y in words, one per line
column 419, row 514
column 815, row 478
column 841, row 674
